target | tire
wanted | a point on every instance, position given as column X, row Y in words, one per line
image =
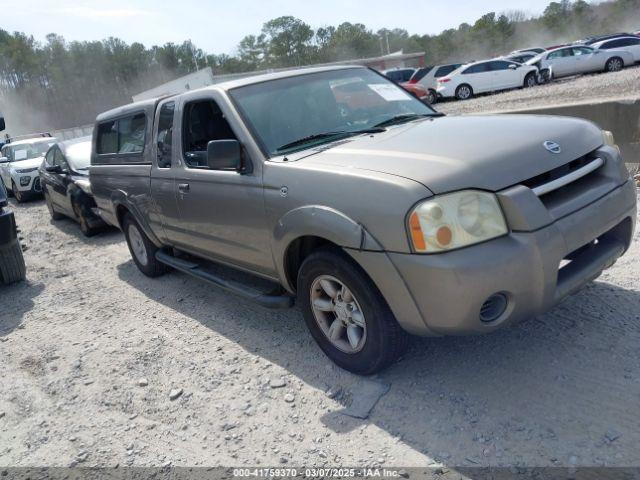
column 145, row 259
column 530, row 80
column 614, row 64
column 19, row 196
column 12, row 267
column 86, row 230
column 381, row 340
column 52, row 211
column 431, row 97
column 464, row 92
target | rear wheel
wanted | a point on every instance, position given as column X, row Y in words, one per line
column 464, row 92
column 12, row 267
column 142, row 250
column 347, row 315
column 614, row 64
column 530, row 80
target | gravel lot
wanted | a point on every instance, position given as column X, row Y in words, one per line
column 600, row 86
column 93, row 353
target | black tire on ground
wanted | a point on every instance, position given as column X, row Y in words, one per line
column 12, row 267
column 151, row 267
column 530, row 80
column 52, row 211
column 384, row 340
column 464, row 92
column 614, row 64
column 19, row 196
column 86, row 230
column 431, row 97
column 6, row 189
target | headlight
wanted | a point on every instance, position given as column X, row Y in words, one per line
column 607, row 139
column 85, row 185
column 27, row 170
column 455, row 220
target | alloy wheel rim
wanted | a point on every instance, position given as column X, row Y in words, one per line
column 137, row 245
column 464, row 92
column 614, row 66
column 338, row 314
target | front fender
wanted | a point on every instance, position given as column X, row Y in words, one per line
column 318, row 221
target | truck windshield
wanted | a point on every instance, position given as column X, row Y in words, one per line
column 302, row 111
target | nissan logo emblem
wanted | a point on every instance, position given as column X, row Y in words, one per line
column 552, row 147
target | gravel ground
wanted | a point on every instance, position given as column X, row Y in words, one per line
column 587, row 88
column 103, row 366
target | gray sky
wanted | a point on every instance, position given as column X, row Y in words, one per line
column 217, row 26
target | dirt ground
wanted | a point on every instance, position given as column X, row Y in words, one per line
column 92, row 353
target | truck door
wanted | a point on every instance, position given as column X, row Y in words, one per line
column 164, row 216
column 222, row 215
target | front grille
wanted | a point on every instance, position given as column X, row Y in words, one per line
column 558, row 172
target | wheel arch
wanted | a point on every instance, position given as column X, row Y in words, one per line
column 303, row 230
column 122, row 206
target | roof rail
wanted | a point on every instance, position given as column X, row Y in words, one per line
column 15, row 138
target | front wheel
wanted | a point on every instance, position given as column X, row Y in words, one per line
column 85, row 228
column 19, row 196
column 530, row 80
column 142, row 250
column 431, row 97
column 614, row 64
column 464, row 92
column 347, row 315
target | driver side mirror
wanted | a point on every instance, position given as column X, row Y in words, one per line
column 513, row 66
column 53, row 168
column 224, row 155
column 4, row 160
column 2, row 124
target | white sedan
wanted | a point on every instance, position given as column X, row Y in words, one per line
column 629, row 44
column 577, row 59
column 486, row 76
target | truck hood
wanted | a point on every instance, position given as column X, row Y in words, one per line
column 29, row 163
column 488, row 152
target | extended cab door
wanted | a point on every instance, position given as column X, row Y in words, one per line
column 222, row 213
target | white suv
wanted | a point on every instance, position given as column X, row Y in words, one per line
column 19, row 162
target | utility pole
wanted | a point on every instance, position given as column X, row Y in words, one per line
column 386, row 34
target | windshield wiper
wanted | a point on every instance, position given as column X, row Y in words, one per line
column 324, row 135
column 406, row 117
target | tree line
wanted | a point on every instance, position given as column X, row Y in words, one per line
column 59, row 84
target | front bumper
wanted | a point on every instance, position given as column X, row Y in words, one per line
column 28, row 183
column 442, row 294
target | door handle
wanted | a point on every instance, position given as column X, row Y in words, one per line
column 183, row 187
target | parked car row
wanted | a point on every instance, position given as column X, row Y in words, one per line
column 520, row 69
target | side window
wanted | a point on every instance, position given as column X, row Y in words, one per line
column 107, row 138
column 499, row 65
column 58, row 159
column 581, row 51
column 478, row 68
column 165, row 133
column 566, row 52
column 446, row 70
column 131, row 134
column 203, row 121
column 48, row 158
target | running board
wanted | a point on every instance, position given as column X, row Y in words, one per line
column 196, row 270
